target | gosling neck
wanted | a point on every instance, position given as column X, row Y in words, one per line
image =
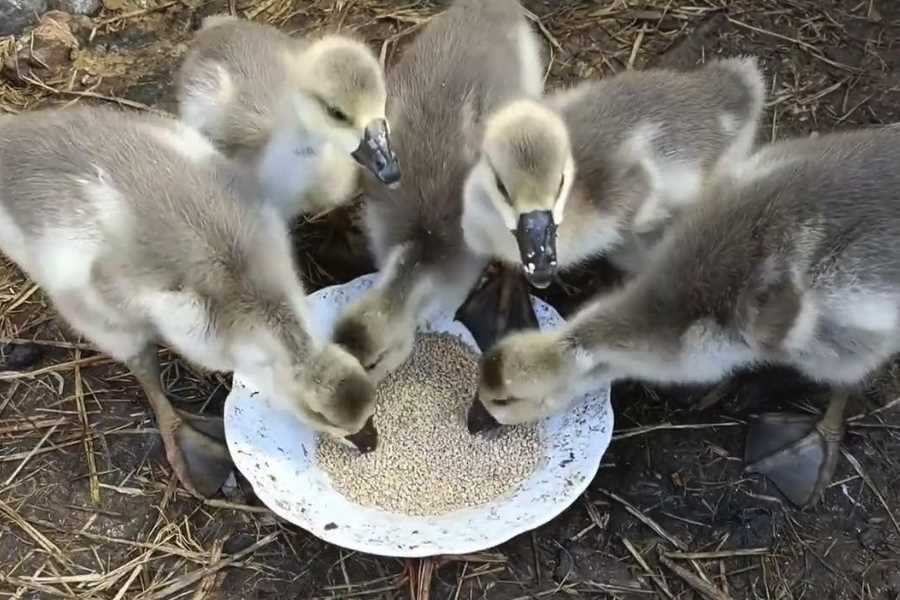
column 640, row 332
column 287, row 167
column 483, row 228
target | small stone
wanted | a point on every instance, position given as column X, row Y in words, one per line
column 21, row 356
column 237, row 542
column 565, row 565
column 894, row 581
column 872, row 538
column 584, row 70
column 78, row 7
column 15, row 15
column 47, row 50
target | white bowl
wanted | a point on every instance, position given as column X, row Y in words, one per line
column 277, row 454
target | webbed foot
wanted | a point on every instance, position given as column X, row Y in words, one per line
column 195, row 444
column 499, row 305
column 197, row 452
column 797, row 453
column 752, row 387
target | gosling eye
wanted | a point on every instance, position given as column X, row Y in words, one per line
column 375, row 361
column 337, row 114
column 322, row 418
column 503, row 191
column 505, row 401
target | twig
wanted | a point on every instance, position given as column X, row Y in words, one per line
column 185, row 580
column 480, row 558
column 81, row 362
column 707, row 590
column 637, row 514
column 385, row 46
column 723, row 575
column 53, row 447
column 376, row 581
column 615, row 590
column 158, row 547
column 87, row 434
column 206, row 585
column 95, row 96
column 33, row 425
column 134, row 575
column 51, row 343
column 10, row 394
column 850, row 112
column 871, row 485
column 813, row 51
column 546, row 32
column 216, row 503
column 717, row 554
column 28, row 457
column 638, row 40
column 135, row 13
column 87, row 578
column 627, row 433
column 260, row 8
column 36, row 535
column 46, row 589
column 462, row 578
column 392, row 588
column 657, row 579
column 880, row 409
column 423, row 581
column 21, row 299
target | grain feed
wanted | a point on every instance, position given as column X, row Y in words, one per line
column 426, row 462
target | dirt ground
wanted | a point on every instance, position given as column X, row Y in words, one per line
column 89, row 508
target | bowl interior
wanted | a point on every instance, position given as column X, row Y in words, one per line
column 277, row 454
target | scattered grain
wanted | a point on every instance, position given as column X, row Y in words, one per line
column 426, row 462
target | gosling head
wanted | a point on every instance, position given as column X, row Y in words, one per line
column 526, row 169
column 342, row 96
column 523, row 378
column 332, row 393
column 379, row 338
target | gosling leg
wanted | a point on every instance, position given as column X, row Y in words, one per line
column 751, row 387
column 194, row 444
column 798, row 454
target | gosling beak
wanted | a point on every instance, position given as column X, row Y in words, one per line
column 374, row 153
column 366, row 439
column 536, row 236
column 479, row 420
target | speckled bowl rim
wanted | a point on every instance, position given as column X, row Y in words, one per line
column 264, row 441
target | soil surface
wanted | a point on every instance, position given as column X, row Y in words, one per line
column 89, row 507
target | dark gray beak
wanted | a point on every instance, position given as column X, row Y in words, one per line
column 479, row 420
column 536, row 235
column 374, row 153
column 366, row 439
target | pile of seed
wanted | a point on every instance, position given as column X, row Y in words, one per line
column 426, row 462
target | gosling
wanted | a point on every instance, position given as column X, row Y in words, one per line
column 792, row 259
column 140, row 232
column 303, row 113
column 604, row 168
column 466, row 62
